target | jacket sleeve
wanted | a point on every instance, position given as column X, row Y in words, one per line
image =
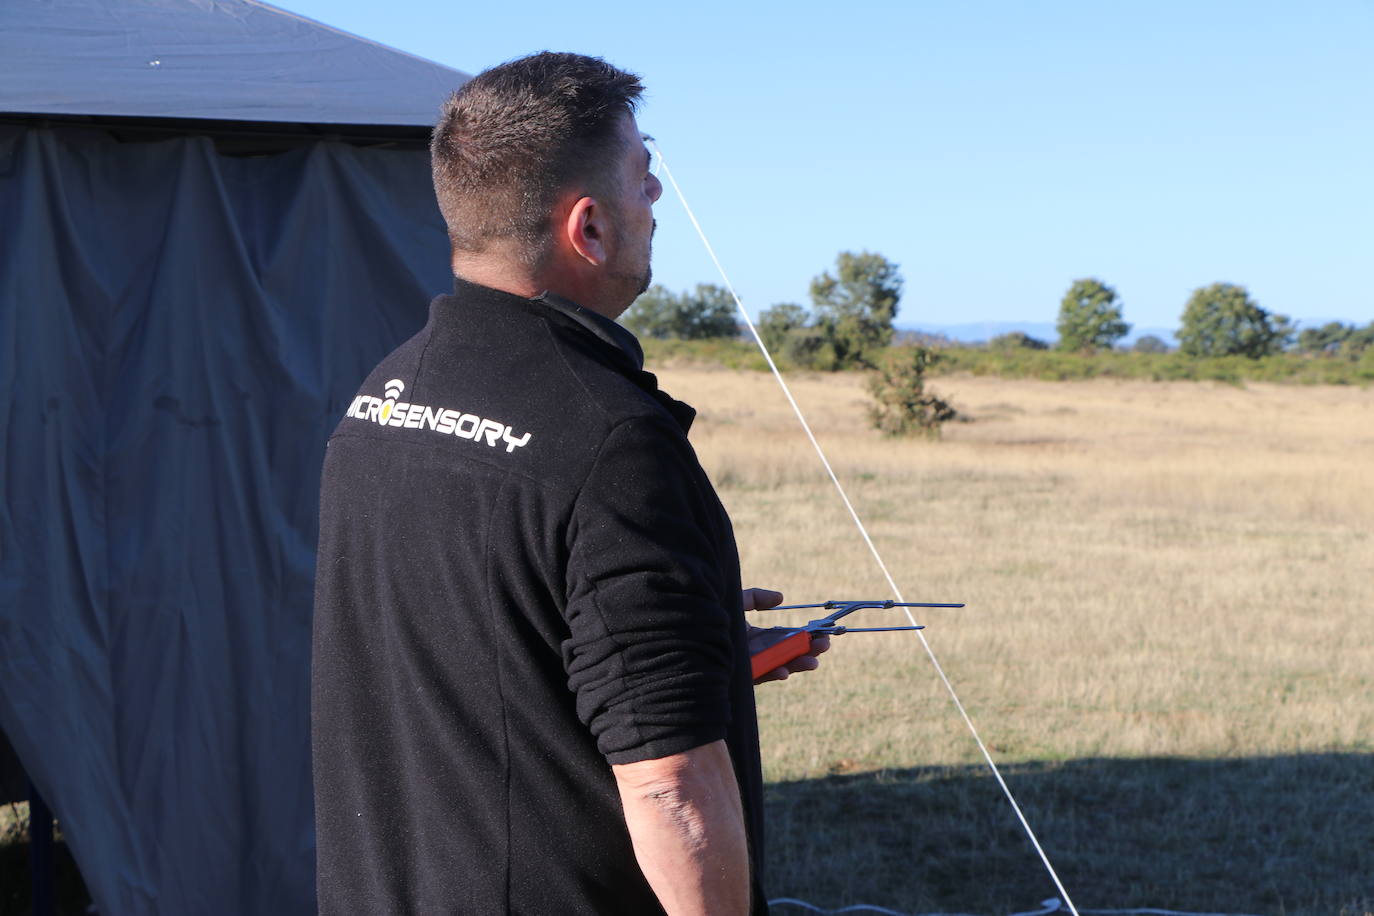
column 650, row 653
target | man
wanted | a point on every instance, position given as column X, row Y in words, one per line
column 531, row 687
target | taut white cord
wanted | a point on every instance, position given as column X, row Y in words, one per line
column 958, row 704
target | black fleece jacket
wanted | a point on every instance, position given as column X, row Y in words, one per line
column 524, row 576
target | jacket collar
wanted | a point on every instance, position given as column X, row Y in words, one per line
column 619, row 347
column 615, row 334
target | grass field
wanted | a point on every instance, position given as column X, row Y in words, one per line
column 1168, row 642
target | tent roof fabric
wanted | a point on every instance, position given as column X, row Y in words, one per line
column 227, row 60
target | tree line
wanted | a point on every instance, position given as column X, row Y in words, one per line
column 1220, row 319
column 849, row 321
column 852, row 309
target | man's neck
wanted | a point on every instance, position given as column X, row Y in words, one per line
column 518, row 281
column 497, row 275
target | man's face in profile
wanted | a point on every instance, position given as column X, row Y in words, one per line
column 636, row 191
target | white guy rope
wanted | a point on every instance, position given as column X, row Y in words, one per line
column 958, row 704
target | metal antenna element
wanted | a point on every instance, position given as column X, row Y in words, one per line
column 863, row 531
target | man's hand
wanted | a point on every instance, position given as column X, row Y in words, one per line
column 760, row 599
column 687, row 826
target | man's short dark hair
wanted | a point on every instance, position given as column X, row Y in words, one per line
column 515, row 136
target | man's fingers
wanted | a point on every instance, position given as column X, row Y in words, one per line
column 777, row 674
column 761, row 599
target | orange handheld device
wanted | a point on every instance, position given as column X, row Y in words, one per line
column 776, row 646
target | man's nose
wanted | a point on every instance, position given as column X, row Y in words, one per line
column 655, row 188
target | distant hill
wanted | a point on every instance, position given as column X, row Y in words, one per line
column 983, row 331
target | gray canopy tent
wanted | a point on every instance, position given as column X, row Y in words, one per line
column 215, row 217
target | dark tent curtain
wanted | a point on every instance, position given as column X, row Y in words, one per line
column 179, row 332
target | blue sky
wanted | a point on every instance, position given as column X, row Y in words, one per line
column 995, row 150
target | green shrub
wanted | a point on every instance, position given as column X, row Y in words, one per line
column 1017, row 340
column 901, row 404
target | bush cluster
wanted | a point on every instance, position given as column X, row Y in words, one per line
column 1054, row 365
column 901, row 404
column 1058, row 365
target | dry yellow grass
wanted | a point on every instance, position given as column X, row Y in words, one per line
column 1151, row 569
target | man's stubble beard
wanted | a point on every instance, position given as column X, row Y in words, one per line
column 638, row 281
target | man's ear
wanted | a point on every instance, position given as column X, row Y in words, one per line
column 585, row 230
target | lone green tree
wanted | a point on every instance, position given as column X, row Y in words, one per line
column 1151, row 344
column 1336, row 339
column 707, row 311
column 1017, row 340
column 777, row 322
column 1222, row 320
column 1090, row 317
column 653, row 314
column 856, row 305
column 1359, row 342
column 1327, row 340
